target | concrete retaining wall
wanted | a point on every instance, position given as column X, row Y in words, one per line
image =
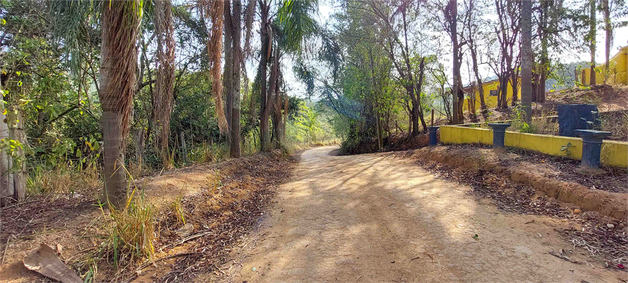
column 614, row 153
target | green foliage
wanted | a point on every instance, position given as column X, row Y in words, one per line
column 13, row 148
column 519, row 123
column 310, row 124
column 295, row 19
column 567, row 149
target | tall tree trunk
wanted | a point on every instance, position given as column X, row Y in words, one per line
column 374, row 95
column 162, row 107
column 592, row 34
column 608, row 28
column 227, row 75
column 273, row 94
column 544, row 64
column 526, row 58
column 263, row 65
column 237, row 57
column 118, row 55
column 452, row 6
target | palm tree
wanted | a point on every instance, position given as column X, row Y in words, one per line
column 526, row 58
column 294, row 25
column 214, row 10
column 164, row 86
column 120, row 21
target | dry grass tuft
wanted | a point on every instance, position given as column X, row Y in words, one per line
column 63, row 181
column 131, row 234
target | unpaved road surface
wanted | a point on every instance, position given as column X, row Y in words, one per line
column 374, row 217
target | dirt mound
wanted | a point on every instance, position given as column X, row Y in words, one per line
column 606, row 97
column 500, row 163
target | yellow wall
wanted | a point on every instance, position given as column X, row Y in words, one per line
column 614, row 153
column 491, row 101
column 459, row 134
column 618, row 70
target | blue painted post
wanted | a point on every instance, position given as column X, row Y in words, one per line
column 433, row 140
column 591, row 146
column 499, row 133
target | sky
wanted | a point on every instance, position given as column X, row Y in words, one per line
column 326, row 10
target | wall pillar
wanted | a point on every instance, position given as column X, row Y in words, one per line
column 591, row 146
column 499, row 133
column 433, row 139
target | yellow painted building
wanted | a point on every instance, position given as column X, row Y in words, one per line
column 491, row 90
column 618, row 74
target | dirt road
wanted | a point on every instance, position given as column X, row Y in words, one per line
column 374, row 217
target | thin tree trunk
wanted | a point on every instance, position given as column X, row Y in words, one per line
column 237, row 54
column 453, row 7
column 608, row 28
column 503, row 86
column 592, row 33
column 227, row 75
column 120, row 21
column 184, row 148
column 476, row 71
column 544, row 64
column 276, row 99
column 285, row 116
column 263, row 65
column 419, row 87
column 378, row 126
column 526, row 58
column 474, row 59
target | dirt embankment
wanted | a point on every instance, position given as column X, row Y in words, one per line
column 606, row 97
column 221, row 201
column 541, row 178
